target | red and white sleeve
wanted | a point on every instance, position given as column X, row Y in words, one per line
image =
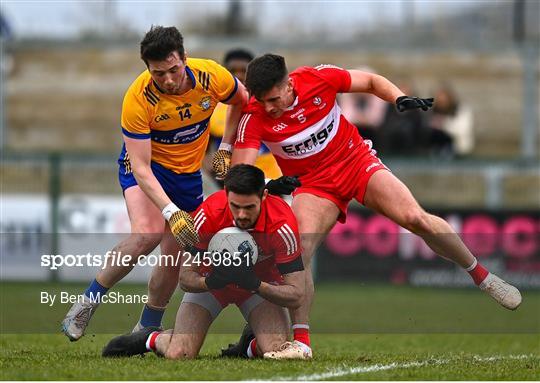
column 248, row 134
column 204, row 226
column 288, row 254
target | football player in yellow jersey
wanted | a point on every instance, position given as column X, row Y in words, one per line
column 236, row 62
column 165, row 118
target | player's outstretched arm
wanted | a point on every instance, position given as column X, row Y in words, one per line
column 365, row 82
column 140, row 153
column 221, row 161
column 234, row 112
column 290, row 294
column 180, row 222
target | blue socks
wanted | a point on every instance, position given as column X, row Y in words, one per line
column 95, row 290
column 151, row 317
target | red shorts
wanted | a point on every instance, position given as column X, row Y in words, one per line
column 214, row 301
column 230, row 295
column 343, row 180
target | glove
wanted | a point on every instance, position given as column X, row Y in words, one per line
column 244, row 275
column 283, row 185
column 249, row 281
column 218, row 278
column 404, row 103
column 221, row 162
column 181, row 224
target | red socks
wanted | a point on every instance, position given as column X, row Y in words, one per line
column 252, row 349
column 301, row 333
column 477, row 272
column 151, row 341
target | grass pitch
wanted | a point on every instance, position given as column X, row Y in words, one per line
column 359, row 333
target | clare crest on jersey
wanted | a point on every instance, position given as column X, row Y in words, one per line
column 205, row 103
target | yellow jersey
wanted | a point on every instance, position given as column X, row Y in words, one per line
column 177, row 124
column 217, row 121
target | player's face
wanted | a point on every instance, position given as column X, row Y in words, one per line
column 238, row 68
column 169, row 74
column 278, row 99
column 245, row 209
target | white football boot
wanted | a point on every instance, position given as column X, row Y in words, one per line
column 290, row 350
column 507, row 295
column 78, row 318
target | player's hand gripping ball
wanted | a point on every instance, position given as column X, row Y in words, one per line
column 404, row 103
column 237, row 257
column 221, row 162
column 218, row 278
column 183, row 228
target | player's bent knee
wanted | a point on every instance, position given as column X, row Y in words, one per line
column 148, row 226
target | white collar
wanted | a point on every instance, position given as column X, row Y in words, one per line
column 295, row 102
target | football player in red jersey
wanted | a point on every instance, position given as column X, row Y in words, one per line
column 260, row 291
column 296, row 115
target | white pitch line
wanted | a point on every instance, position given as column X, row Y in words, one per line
column 392, row 366
column 362, row 369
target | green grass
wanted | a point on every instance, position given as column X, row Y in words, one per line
column 378, row 331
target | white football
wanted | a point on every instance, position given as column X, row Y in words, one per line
column 234, row 241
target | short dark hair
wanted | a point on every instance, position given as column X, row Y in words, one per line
column 159, row 42
column 265, row 72
column 245, row 179
column 237, row 54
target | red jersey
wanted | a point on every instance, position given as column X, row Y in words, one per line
column 312, row 133
column 275, row 232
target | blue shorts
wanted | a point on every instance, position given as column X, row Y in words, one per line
column 185, row 190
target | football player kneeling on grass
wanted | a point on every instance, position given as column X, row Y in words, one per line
column 261, row 291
